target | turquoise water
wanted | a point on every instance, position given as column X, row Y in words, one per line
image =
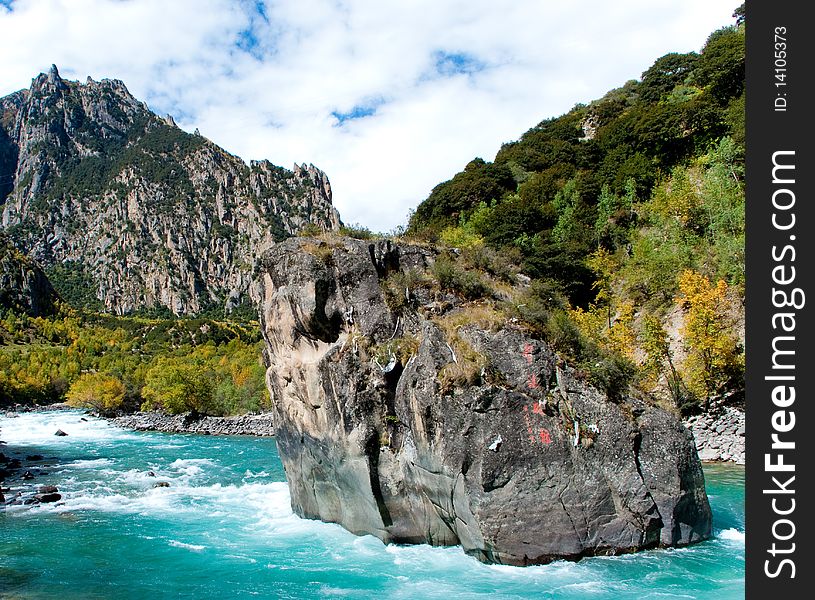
column 224, row 529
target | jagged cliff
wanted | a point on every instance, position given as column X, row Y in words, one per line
column 134, row 209
column 24, row 288
column 520, row 462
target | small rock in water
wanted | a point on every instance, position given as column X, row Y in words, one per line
column 48, row 497
column 161, row 484
column 83, row 419
column 28, row 475
column 34, row 457
column 48, row 493
column 60, row 433
column 151, row 474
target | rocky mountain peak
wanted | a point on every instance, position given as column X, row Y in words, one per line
column 53, row 75
column 134, row 211
column 48, row 83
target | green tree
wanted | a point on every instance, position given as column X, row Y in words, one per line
column 614, row 214
column 739, row 14
column 178, row 386
column 721, row 65
column 665, row 74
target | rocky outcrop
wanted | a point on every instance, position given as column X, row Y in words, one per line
column 134, row 212
column 250, row 424
column 402, row 424
column 719, row 435
column 24, row 288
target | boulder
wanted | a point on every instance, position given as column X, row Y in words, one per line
column 60, row 433
column 477, row 436
column 48, row 493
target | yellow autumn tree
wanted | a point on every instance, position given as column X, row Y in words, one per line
column 613, row 334
column 177, row 385
column 97, row 391
column 714, row 358
column 607, row 322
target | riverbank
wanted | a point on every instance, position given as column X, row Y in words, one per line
column 251, row 424
column 260, row 424
column 719, row 437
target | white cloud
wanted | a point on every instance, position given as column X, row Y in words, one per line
column 263, row 83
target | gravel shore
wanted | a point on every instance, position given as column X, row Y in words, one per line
column 253, row 424
column 719, row 437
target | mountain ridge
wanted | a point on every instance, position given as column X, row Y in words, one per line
column 133, row 211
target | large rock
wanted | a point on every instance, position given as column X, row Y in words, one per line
column 48, row 493
column 522, row 464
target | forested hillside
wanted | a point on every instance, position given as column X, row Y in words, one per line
column 109, row 363
column 628, row 215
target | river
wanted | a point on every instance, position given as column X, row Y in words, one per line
column 224, row 529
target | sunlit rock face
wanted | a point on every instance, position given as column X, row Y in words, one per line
column 24, row 288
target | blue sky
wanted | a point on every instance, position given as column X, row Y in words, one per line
column 388, row 97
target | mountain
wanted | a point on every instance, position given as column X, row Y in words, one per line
column 125, row 211
column 572, row 183
column 24, row 288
